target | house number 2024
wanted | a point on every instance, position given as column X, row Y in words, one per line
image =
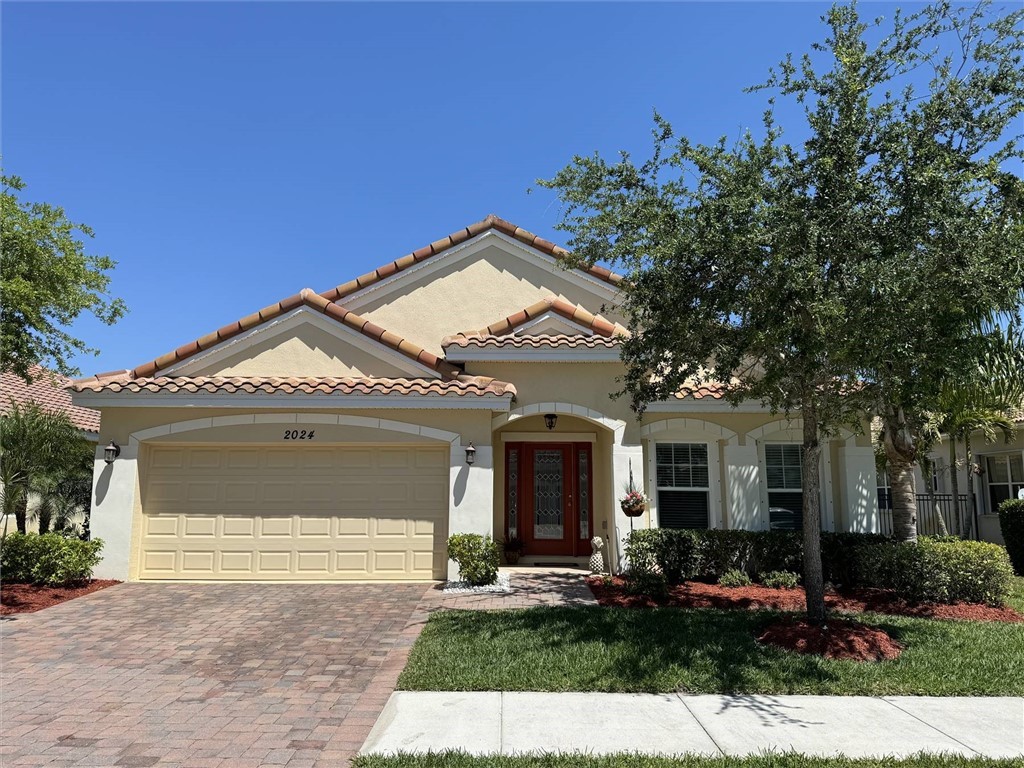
column 299, row 434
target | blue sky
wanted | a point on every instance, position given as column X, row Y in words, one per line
column 230, row 154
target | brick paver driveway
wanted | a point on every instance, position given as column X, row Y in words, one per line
column 211, row 675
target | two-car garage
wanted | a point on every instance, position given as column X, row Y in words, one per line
column 348, row 512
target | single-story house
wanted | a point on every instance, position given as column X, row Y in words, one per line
column 48, row 390
column 464, row 387
column 998, row 476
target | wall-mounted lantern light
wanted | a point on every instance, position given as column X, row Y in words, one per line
column 111, row 452
column 470, row 453
column 550, row 420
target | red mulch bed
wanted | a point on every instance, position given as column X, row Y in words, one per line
column 694, row 594
column 839, row 639
column 28, row 598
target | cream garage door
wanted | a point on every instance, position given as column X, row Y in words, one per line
column 294, row 513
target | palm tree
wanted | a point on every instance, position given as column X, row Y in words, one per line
column 980, row 401
column 37, row 447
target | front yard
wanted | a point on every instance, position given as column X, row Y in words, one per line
column 666, row 650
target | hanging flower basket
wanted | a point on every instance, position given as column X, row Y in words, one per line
column 633, row 504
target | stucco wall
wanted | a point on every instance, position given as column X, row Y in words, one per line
column 469, row 294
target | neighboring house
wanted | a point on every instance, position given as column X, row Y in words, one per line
column 49, row 391
column 1001, row 476
column 332, row 435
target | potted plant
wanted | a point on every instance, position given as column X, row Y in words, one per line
column 633, row 503
column 513, row 547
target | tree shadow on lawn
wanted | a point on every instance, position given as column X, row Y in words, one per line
column 669, row 650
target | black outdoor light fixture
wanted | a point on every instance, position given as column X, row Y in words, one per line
column 550, row 420
column 470, row 453
column 111, row 452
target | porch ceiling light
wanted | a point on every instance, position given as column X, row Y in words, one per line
column 470, row 453
column 550, row 419
column 111, row 452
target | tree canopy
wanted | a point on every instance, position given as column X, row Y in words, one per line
column 825, row 276
column 46, row 282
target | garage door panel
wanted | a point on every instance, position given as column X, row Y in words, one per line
column 294, row 513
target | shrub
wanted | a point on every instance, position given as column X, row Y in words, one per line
column 734, row 577
column 477, row 556
column 724, row 551
column 49, row 559
column 780, row 579
column 1011, row 523
column 647, row 583
column 938, row 571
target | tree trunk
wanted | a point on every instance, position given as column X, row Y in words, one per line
column 814, row 581
column 972, row 517
column 901, row 455
column 954, row 486
column 21, row 512
column 928, row 470
column 45, row 515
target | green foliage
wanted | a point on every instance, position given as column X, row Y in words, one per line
column 49, row 559
column 780, row 579
column 940, row 569
column 946, row 571
column 47, row 281
column 734, row 577
column 648, row 584
column 1011, row 523
column 478, row 557
column 43, row 452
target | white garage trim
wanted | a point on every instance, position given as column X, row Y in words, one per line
column 343, row 420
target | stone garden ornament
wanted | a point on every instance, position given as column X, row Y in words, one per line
column 597, row 558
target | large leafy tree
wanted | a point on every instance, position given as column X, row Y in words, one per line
column 46, row 282
column 760, row 265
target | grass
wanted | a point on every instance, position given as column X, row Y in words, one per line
column 700, row 651
column 1016, row 600
column 789, row 760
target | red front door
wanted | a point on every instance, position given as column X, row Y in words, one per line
column 548, row 497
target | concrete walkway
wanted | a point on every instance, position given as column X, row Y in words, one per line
column 602, row 723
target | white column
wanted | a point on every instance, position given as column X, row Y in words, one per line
column 622, row 457
column 742, row 478
column 828, row 500
column 471, row 495
column 114, row 489
column 859, row 491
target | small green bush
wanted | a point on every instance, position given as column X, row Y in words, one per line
column 478, row 557
column 647, row 584
column 49, row 559
column 780, row 579
column 734, row 577
column 1011, row 523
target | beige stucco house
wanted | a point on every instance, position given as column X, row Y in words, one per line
column 325, row 437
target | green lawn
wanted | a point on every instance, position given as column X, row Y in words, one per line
column 462, row 760
column 1017, row 596
column 699, row 651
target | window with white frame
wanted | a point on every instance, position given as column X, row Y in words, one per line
column 784, row 476
column 683, row 485
column 1004, row 475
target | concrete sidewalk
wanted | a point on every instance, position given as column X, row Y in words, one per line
column 602, row 723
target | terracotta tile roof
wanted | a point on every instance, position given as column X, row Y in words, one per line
column 306, row 297
column 461, row 236
column 556, row 304
column 561, row 341
column 712, row 391
column 48, row 390
column 464, row 386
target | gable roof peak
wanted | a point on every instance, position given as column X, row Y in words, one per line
column 490, row 222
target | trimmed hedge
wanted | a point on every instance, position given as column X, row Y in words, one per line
column 478, row 557
column 49, row 559
column 946, row 570
column 1011, row 523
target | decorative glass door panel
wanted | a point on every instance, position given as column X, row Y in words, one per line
column 549, row 495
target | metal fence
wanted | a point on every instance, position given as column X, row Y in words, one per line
column 927, row 516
